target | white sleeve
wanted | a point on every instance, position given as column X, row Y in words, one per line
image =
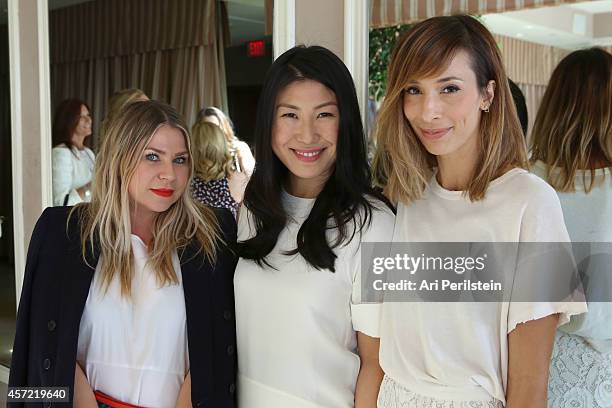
column 62, row 177
column 366, row 313
column 543, row 222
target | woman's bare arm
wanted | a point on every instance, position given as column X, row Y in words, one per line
column 530, row 346
column 370, row 374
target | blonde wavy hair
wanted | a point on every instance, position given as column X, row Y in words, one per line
column 212, row 159
column 573, row 127
column 117, row 102
column 402, row 165
column 106, row 220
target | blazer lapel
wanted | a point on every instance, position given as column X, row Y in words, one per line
column 197, row 279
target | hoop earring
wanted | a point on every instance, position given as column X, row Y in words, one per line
column 486, row 110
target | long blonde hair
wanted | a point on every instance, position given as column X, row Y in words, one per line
column 573, row 126
column 116, row 103
column 402, row 165
column 212, row 159
column 106, row 220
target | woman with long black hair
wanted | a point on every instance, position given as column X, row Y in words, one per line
column 304, row 338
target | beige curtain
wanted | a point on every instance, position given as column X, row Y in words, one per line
column 169, row 49
column 386, row 13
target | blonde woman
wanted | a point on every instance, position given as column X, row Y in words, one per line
column 117, row 102
column 215, row 183
column 243, row 158
column 572, row 150
column 128, row 300
column 453, row 156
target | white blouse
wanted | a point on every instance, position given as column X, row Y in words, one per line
column 71, row 170
column 459, row 351
column 296, row 325
column 135, row 350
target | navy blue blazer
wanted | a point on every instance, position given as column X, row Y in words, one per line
column 55, row 288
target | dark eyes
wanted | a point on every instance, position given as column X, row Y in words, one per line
column 412, row 90
column 320, row 115
column 154, row 157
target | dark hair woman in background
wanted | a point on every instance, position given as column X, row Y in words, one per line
column 73, row 162
column 304, row 339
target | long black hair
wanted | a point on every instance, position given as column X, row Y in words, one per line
column 343, row 199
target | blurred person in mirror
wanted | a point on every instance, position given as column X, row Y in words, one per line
column 572, row 150
column 128, row 300
column 116, row 103
column 521, row 107
column 216, row 182
column 72, row 162
column 243, row 160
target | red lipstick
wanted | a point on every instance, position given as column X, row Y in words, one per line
column 162, row 192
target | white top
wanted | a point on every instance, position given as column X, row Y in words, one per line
column 71, row 170
column 297, row 325
column 135, row 350
column 589, row 219
column 459, row 351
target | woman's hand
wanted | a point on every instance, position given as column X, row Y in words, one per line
column 184, row 397
column 370, row 374
column 83, row 394
column 529, row 349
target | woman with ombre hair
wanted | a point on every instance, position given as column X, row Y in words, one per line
column 128, row 300
column 215, row 183
column 572, row 150
column 451, row 153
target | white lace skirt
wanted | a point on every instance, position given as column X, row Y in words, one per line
column 393, row 395
column 580, row 376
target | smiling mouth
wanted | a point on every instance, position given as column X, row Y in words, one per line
column 162, row 192
column 307, row 155
column 435, row 134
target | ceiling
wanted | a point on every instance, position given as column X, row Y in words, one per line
column 572, row 26
column 247, row 18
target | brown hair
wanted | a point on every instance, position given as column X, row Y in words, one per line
column 402, row 164
column 117, row 102
column 65, row 121
column 573, row 127
column 212, row 159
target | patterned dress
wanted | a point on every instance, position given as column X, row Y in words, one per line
column 214, row 193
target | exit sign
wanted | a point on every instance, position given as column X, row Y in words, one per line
column 256, row 48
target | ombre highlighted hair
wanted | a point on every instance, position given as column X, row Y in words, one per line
column 573, row 127
column 212, row 159
column 402, row 165
column 106, row 220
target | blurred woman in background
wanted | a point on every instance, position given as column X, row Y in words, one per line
column 215, row 181
column 72, row 161
column 243, row 160
column 572, row 150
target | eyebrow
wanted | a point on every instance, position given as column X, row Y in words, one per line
column 286, row 105
column 163, row 152
column 445, row 79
